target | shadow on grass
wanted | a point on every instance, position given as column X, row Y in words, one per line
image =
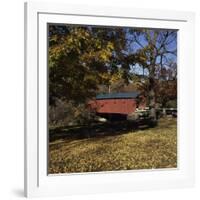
column 96, row 130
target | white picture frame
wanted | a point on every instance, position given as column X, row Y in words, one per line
column 37, row 182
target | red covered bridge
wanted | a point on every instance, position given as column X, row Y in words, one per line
column 117, row 103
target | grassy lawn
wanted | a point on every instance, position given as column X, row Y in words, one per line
column 129, row 149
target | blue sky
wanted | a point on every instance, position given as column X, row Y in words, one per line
column 171, row 47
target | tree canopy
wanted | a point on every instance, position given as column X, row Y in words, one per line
column 85, row 60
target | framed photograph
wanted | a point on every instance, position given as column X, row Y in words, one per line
column 109, row 99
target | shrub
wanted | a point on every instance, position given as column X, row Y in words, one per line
column 68, row 113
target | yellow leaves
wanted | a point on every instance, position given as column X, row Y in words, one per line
column 143, row 58
column 80, row 33
column 105, row 77
column 81, row 47
column 143, row 149
column 104, row 55
column 116, row 76
column 53, row 38
column 98, row 44
column 110, row 46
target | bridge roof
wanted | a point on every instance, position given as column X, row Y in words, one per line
column 119, row 95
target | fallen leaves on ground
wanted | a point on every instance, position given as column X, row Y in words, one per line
column 141, row 149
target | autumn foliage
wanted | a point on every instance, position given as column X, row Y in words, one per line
column 88, row 60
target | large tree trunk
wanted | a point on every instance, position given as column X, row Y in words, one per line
column 152, row 95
